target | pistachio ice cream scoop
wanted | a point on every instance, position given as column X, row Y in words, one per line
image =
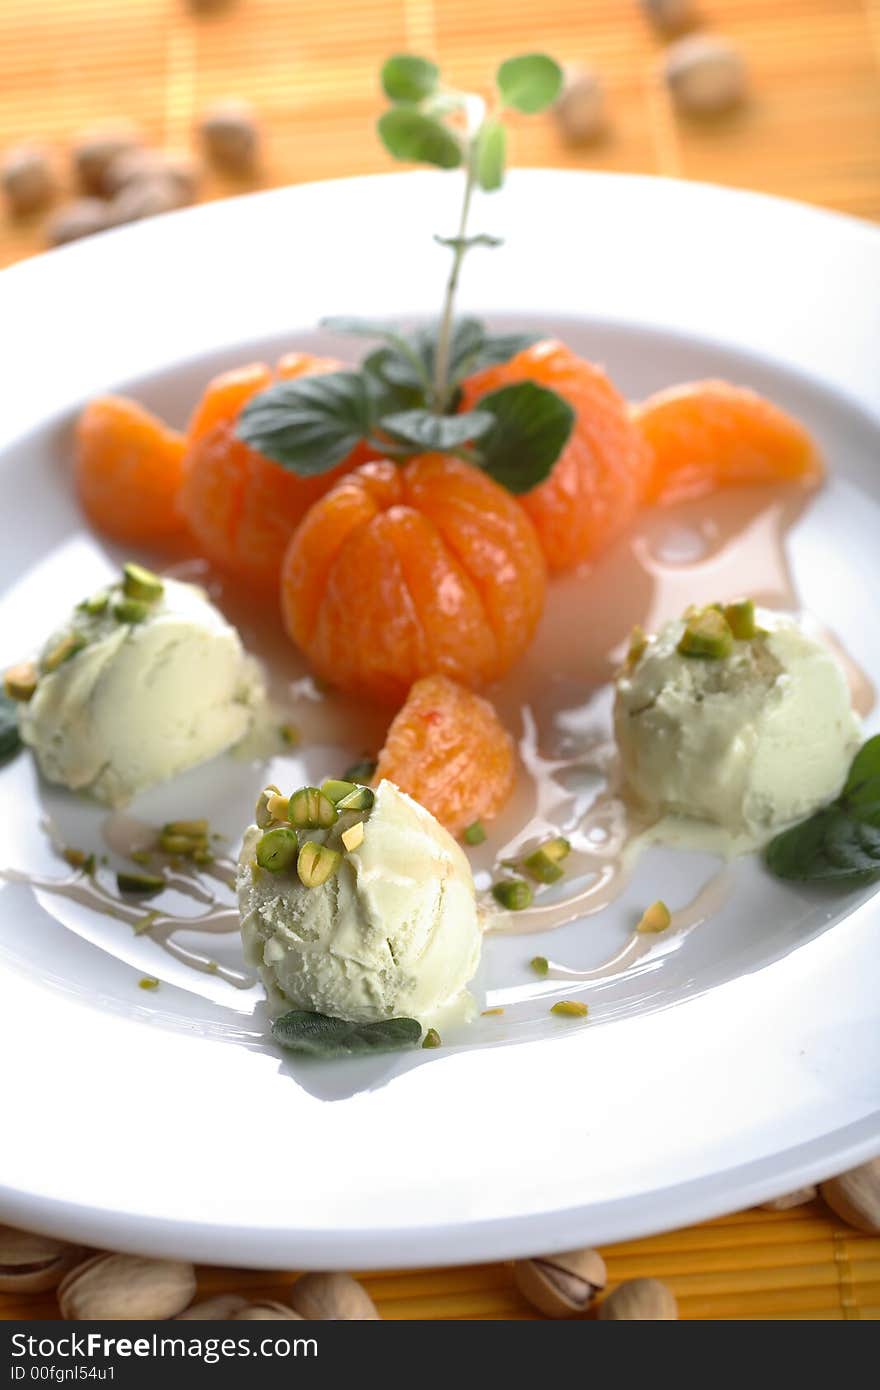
column 735, row 717
column 143, row 680
column 358, row 904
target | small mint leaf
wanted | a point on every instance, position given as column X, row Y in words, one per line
column 532, row 427
column 443, row 433
column 406, row 77
column 319, row 1035
column 10, row 739
column 408, row 134
column 500, row 347
column 861, row 795
column 529, row 83
column 393, row 383
column 311, row 424
column 490, row 155
column 466, row 243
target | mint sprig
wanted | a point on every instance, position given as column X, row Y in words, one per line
column 405, row 396
column 841, row 843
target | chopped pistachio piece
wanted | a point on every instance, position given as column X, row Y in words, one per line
column 570, row 1008
column 475, row 833
column 360, row 772
column 63, row 651
column 310, row 809
column 182, row 844
column 148, row 982
column 491, row 1013
column 141, row 583
column 202, row 856
column 317, row 863
column 144, row 884
column 545, row 863
column 540, row 965
column 512, row 893
column 361, row 799
column 638, row 641
column 131, row 610
column 262, row 815
column 353, row 837
column 277, row 849
column 141, row 856
column 707, row 635
column 289, row 734
column 20, row 681
column 278, row 807
column 195, row 829
column 741, row 619
column 145, row 923
column 336, row 789
column 96, row 604
column 655, row 918
column 432, row 1039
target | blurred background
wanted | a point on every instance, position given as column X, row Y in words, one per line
column 777, row 95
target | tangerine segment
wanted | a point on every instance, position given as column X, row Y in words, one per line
column 242, row 508
column 447, row 748
column 597, row 483
column 388, row 578
column 128, row 467
column 710, row 434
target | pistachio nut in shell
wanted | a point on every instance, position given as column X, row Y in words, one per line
column 640, row 1300
column 563, row 1285
column 790, row 1199
column 268, row 1308
column 855, row 1196
column 118, row 1287
column 30, row 1263
column 332, row 1297
column 222, row 1305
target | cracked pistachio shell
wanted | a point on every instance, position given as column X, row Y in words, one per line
column 268, row 1308
column 855, row 1196
column 30, row 1263
column 562, row 1285
column 119, row 1287
column 640, row 1300
column 790, row 1199
column 332, row 1297
column 222, row 1305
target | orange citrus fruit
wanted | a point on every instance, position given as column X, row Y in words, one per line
column 597, row 483
column 708, row 434
column 242, row 508
column 399, row 573
column 447, row 748
column 128, row 467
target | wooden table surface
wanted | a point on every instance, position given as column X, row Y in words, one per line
column 810, row 130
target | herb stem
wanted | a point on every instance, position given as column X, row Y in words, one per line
column 441, row 357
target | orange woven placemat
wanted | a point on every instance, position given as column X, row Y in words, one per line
column 809, row 131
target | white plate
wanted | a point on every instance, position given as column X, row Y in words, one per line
column 161, row 1122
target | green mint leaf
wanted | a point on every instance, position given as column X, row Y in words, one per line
column 10, row 739
column 410, row 135
column 500, row 347
column 393, row 383
column 861, row 795
column 406, row 77
column 311, row 424
column 444, row 433
column 532, row 427
column 490, row 155
column 831, row 846
column 318, row 1035
column 529, row 83
column 466, row 243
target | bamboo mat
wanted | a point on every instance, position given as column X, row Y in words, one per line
column 811, row 130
